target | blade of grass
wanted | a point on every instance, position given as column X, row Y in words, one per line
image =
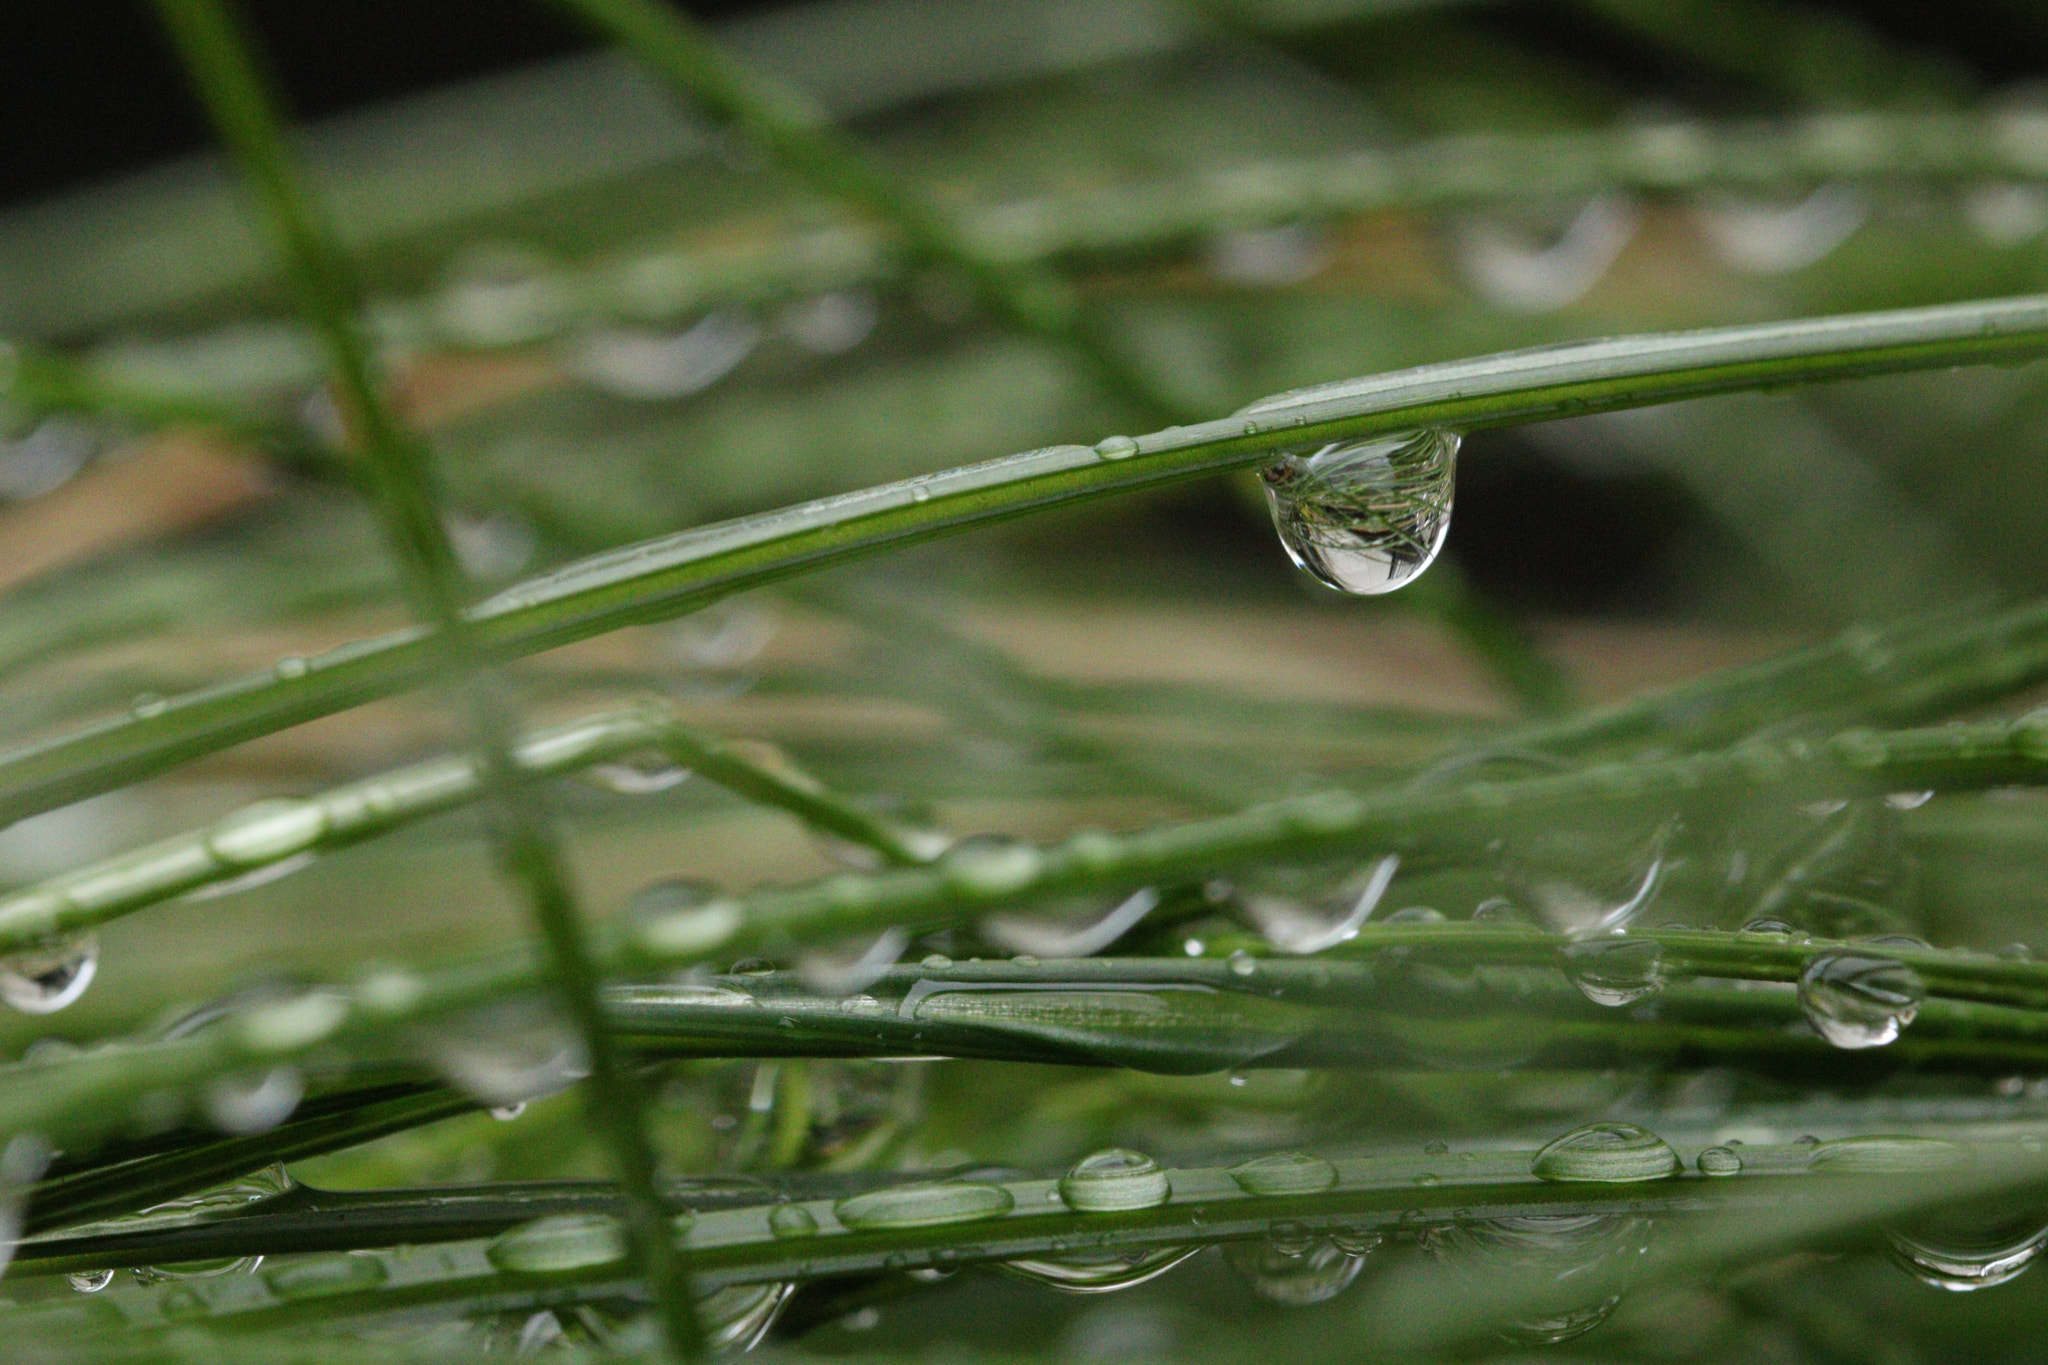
column 224, row 72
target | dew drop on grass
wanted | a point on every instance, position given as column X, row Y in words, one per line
column 254, row 1102
column 1720, row 1161
column 266, row 831
column 505, row 1113
column 505, row 1053
column 850, row 965
column 1100, row 1272
column 1303, row 910
column 90, row 1281
column 642, row 774
column 1606, row 1153
column 1293, row 1275
column 1366, row 517
column 918, row 1206
column 1284, row 1173
column 1969, row 1247
column 1070, row 929
column 320, row 1276
column 1615, row 971
column 791, row 1221
column 559, row 1244
column 1113, row 1180
column 1854, row 1001
column 46, row 979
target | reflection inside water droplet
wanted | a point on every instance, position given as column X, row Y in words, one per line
column 1366, row 517
column 1582, row 1264
column 1615, row 971
column 45, row 980
column 1857, row 1001
column 1293, row 1274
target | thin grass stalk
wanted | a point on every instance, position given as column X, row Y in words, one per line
column 223, row 70
column 665, row 577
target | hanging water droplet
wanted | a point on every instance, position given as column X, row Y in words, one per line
column 1511, row 271
column 655, row 364
column 1855, row 1001
column 1114, row 1180
column 1913, row 800
column 505, row 1113
column 1498, row 910
column 1366, row 516
column 45, row 980
column 681, row 917
column 254, row 1102
column 1100, row 1272
column 1581, row 904
column 737, row 1317
column 1292, row 1274
column 851, row 964
column 1970, row 1247
column 1720, row 1161
column 918, row 1206
column 1243, row 963
column 1606, row 1153
column 1284, row 1173
column 831, row 324
column 558, row 1244
column 505, row 1053
column 321, row 1276
column 1308, row 909
column 539, row 1331
column 90, row 1281
column 1582, row 1263
column 1617, row 971
column 1070, row 928
column 1269, row 257
column 1776, row 239
column 642, row 774
column 1357, row 1241
column 790, row 1221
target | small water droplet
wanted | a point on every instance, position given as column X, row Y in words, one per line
column 917, row 1206
column 1113, row 1180
column 681, row 917
column 148, row 706
column 1243, row 963
column 936, row 962
column 790, row 1221
column 1720, row 1161
column 1357, row 1241
column 1284, row 1173
column 291, row 666
column 1970, row 1247
column 558, row 1244
column 1775, row 929
column 2016, row 952
column 45, row 980
column 641, row 774
column 1855, row 1001
column 738, row 1316
column 1615, row 971
column 321, row 1276
column 1607, row 1153
column 90, row 1281
column 505, row 1113
column 920, row 493
column 1116, row 447
column 1416, row 914
column 1498, row 910
column 1908, row 800
column 1366, row 516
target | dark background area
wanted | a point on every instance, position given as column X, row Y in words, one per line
column 87, row 87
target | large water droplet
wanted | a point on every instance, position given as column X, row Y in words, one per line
column 790, row 1221
column 1304, row 910
column 736, row 1317
column 1080, row 929
column 1970, row 1247
column 254, row 1102
column 1855, row 1001
column 1100, row 1272
column 321, row 1276
column 558, row 1244
column 266, row 831
column 652, row 364
column 1608, row 1153
column 1113, row 1180
column 45, row 980
column 1366, row 516
column 918, row 1206
column 1580, row 1263
column 505, row 1053
column 90, row 1281
column 1287, row 1273
column 1776, row 239
column 1284, row 1173
column 1508, row 269
column 1615, row 971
